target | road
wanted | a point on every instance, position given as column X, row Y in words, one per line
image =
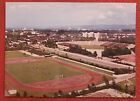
column 120, row 79
column 84, row 57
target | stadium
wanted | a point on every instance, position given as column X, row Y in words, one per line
column 38, row 75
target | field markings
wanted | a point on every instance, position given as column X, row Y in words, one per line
column 15, row 82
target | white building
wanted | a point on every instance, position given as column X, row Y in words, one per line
column 97, row 35
column 88, row 34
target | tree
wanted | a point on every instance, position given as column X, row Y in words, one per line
column 32, row 50
column 51, row 43
column 95, row 54
column 106, row 80
column 73, row 93
column 89, row 87
column 78, row 49
column 115, row 51
column 17, row 94
column 66, row 55
column 83, row 91
column 34, row 41
column 133, row 69
column 126, row 88
column 44, row 42
column 55, row 94
column 113, row 82
column 25, row 94
column 60, row 92
column 134, row 91
column 44, row 95
column 93, row 84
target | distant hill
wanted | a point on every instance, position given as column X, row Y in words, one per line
column 108, row 27
column 89, row 27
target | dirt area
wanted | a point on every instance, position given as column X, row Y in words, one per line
column 86, row 42
column 129, row 57
column 98, row 94
column 112, row 93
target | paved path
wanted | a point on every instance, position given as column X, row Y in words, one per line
column 121, row 78
column 84, row 58
column 125, row 77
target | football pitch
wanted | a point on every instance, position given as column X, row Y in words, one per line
column 35, row 74
column 32, row 72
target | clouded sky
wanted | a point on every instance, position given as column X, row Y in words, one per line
column 44, row 14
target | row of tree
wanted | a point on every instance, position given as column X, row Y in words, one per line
column 115, row 51
column 117, row 71
column 20, row 46
column 50, row 43
column 129, row 40
column 80, row 50
column 38, row 51
column 91, row 88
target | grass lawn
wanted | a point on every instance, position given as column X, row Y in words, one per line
column 95, row 69
column 92, row 46
column 14, row 54
column 40, row 71
column 89, row 67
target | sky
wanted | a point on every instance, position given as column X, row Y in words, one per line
column 49, row 14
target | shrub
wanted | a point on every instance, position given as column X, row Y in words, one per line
column 115, row 51
column 17, row 94
column 25, row 94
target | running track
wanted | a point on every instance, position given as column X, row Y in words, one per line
column 64, row 84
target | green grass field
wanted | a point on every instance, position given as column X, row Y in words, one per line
column 15, row 54
column 40, row 71
column 44, row 70
column 92, row 47
column 33, row 72
column 89, row 67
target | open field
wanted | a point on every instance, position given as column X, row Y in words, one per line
column 15, row 54
column 65, row 84
column 92, row 46
column 35, row 75
column 94, row 42
column 32, row 72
